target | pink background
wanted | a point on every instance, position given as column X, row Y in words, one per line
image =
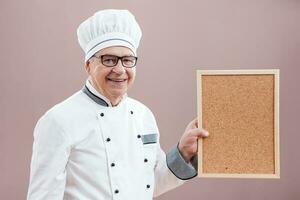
column 42, row 64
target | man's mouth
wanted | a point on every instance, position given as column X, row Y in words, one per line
column 116, row 80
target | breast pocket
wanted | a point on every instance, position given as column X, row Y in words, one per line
column 150, row 149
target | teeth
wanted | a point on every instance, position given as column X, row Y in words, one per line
column 117, row 80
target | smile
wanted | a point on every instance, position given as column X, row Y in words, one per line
column 116, row 80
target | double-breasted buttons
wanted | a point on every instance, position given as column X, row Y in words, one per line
column 116, row 191
column 148, row 186
column 131, row 112
column 108, row 139
column 101, row 114
column 145, row 160
column 139, row 136
column 112, row 164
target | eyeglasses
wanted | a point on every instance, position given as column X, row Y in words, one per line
column 112, row 60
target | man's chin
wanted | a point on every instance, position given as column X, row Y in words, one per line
column 117, row 93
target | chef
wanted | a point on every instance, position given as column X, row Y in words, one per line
column 100, row 144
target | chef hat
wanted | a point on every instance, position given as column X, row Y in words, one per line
column 108, row 28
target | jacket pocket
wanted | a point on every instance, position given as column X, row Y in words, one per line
column 150, row 150
column 149, row 138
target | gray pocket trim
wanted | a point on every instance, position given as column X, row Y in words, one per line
column 149, row 138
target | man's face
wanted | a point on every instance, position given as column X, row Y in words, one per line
column 112, row 82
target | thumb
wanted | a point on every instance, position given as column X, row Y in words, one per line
column 193, row 124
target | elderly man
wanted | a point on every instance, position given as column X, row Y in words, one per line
column 100, row 144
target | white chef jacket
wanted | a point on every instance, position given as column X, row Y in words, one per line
column 85, row 149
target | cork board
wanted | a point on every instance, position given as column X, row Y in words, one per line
column 240, row 109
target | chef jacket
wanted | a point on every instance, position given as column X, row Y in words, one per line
column 85, row 149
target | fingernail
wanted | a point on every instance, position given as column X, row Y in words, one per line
column 206, row 133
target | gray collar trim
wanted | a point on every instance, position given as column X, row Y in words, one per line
column 95, row 98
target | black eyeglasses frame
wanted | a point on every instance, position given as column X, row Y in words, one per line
column 119, row 58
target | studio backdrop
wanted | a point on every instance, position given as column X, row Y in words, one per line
column 42, row 64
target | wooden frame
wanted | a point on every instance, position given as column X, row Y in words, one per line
column 201, row 146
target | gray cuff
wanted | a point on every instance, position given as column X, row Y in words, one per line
column 178, row 166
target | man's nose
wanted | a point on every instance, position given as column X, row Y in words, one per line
column 119, row 68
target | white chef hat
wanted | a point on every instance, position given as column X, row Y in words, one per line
column 108, row 28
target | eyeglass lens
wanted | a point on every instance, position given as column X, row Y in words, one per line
column 112, row 60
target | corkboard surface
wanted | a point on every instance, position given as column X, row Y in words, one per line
column 238, row 111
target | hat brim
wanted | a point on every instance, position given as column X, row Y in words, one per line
column 109, row 43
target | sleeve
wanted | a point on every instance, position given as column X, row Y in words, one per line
column 50, row 152
column 179, row 167
column 171, row 170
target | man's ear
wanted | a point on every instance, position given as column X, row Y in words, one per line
column 87, row 66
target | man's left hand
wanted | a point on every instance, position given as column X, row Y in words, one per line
column 188, row 143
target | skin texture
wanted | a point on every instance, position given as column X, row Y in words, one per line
column 188, row 144
column 113, row 83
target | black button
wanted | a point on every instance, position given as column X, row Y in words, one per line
column 116, row 191
column 148, row 186
column 107, row 139
column 138, row 136
column 112, row 164
column 131, row 112
column 102, row 114
column 145, row 160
